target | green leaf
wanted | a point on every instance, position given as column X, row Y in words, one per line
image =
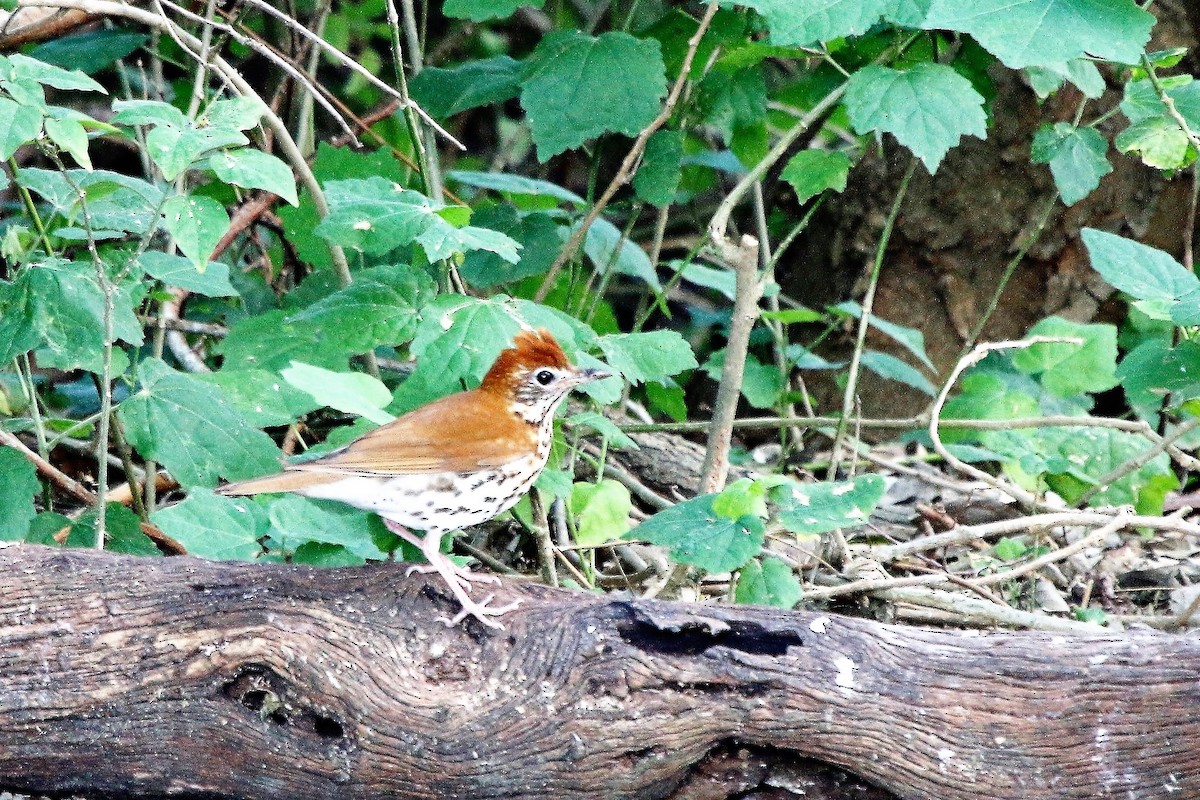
column 44, row 528
column 669, row 400
column 576, row 87
column 197, row 224
column 379, row 308
column 912, row 339
column 516, row 185
column 1024, row 33
column 805, row 22
column 608, row 249
column 18, row 485
column 791, row 316
column 811, row 172
column 66, row 132
column 262, row 397
column 652, row 356
column 351, row 392
column 1142, row 100
column 886, row 365
column 1154, row 369
column 657, row 178
column 1009, row 549
column 233, row 114
column 761, row 383
column 254, row 169
column 743, row 497
column 147, row 112
column 123, row 528
column 720, row 280
column 188, row 426
column 91, row 51
column 1160, row 141
column 1070, row 369
column 446, row 92
column 1076, row 157
column 480, row 10
column 51, row 75
column 928, row 108
column 215, row 527
column 537, row 233
column 601, row 512
column 269, row 341
column 769, row 583
column 1138, row 270
column 605, row 427
column 178, row 271
column 19, row 125
column 1081, row 72
column 297, row 520
column 820, row 507
column 697, row 535
column 175, row 149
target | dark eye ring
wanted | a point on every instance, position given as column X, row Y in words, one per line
column 544, row 376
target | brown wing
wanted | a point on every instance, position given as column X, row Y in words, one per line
column 459, row 433
column 280, row 482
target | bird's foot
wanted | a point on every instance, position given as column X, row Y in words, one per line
column 458, row 581
column 465, row 577
column 481, row 611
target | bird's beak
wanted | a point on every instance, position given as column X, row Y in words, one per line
column 591, row 374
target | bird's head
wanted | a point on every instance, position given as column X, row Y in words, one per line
column 534, row 375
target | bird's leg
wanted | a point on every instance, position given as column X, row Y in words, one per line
column 454, row 578
column 461, row 573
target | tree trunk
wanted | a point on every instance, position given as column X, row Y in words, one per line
column 133, row 677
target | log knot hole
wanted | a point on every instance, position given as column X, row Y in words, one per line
column 277, row 701
column 681, row 634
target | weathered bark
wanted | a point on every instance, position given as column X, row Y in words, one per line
column 141, row 678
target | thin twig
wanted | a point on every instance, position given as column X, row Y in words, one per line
column 1095, row 537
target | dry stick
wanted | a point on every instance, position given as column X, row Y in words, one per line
column 868, row 303
column 541, row 530
column 51, row 472
column 979, row 612
column 631, row 158
column 1093, row 538
column 980, row 352
column 970, row 533
column 749, row 289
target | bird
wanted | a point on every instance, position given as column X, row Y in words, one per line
column 452, row 463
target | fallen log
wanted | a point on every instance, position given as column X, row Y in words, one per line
column 136, row 677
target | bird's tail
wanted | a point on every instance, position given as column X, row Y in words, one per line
column 290, row 481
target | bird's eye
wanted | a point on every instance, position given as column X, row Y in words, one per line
column 544, row 376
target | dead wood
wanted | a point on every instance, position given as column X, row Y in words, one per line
column 134, row 677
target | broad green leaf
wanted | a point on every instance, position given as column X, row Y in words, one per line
column 1067, row 369
column 608, row 249
column 188, row 426
column 91, row 51
column 18, row 485
column 1082, row 73
column 1076, row 157
column 811, row 508
column 263, row 398
column 233, row 114
column 480, row 10
column 811, row 172
column 1142, row 102
column 1154, row 369
column 886, row 365
column 928, row 108
column 351, row 392
column 51, row 75
column 1009, row 548
column 297, row 520
column 269, row 341
column 254, row 169
column 196, row 223
column 1025, row 33
column 1187, row 310
column 605, row 427
column 721, row 280
column 658, row 176
column 319, row 554
column 791, row 316
column 576, row 87
column 147, row 112
column 912, row 339
column 652, row 356
column 769, row 583
column 45, row 526
column 446, row 92
column 178, row 271
column 697, row 535
column 1141, row 271
column 216, row 527
column 516, row 185
column 19, row 125
column 379, row 308
column 669, row 399
column 743, row 497
column 805, row 22
column 66, row 132
column 1159, row 141
column 761, row 383
column 601, row 512
column 175, row 149
column 734, row 100
column 124, row 531
column 538, row 234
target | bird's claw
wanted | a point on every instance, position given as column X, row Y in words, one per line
column 481, row 611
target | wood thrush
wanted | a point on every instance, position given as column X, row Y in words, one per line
column 455, row 462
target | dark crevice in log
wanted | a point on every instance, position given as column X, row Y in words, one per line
column 694, row 636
